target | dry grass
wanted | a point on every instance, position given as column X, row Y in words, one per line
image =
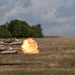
column 55, row 54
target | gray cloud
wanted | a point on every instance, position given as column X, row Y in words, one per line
column 57, row 17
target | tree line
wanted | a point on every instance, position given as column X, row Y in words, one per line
column 19, row 29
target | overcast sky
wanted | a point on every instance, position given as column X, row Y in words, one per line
column 57, row 17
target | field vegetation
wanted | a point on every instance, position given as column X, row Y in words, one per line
column 56, row 57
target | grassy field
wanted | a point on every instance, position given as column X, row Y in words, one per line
column 56, row 57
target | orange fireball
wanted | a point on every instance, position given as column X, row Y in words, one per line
column 30, row 46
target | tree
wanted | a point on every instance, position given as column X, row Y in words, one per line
column 37, row 31
column 18, row 28
column 5, row 25
column 4, row 33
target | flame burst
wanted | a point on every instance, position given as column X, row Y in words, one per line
column 30, row 46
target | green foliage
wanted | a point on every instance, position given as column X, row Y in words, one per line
column 19, row 28
column 5, row 25
column 4, row 33
column 37, row 31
